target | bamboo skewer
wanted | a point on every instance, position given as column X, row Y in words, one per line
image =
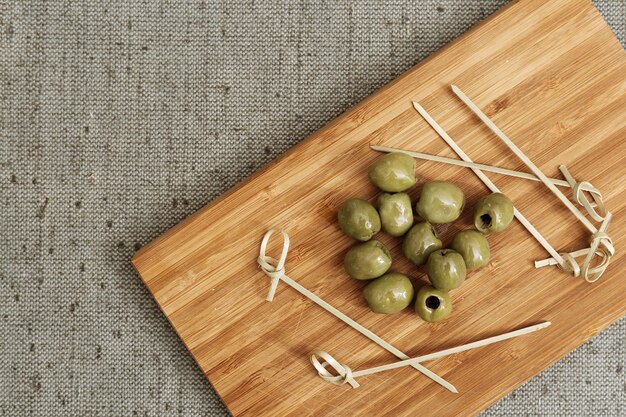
column 275, row 269
column 346, row 375
column 586, row 186
column 481, row 175
column 492, row 126
column 498, row 170
column 596, row 210
column 550, row 261
column 599, row 236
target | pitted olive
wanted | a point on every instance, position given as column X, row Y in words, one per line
column 433, row 305
column 440, row 202
column 420, row 242
column 396, row 213
column 389, row 294
column 473, row 247
column 393, row 172
column 367, row 260
column 446, row 269
column 359, row 219
column 493, row 213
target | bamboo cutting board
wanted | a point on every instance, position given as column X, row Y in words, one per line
column 553, row 77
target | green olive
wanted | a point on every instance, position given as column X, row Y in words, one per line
column 396, row 213
column 367, row 260
column 440, row 202
column 389, row 294
column 393, row 172
column 420, row 242
column 473, row 247
column 446, row 269
column 359, row 219
column 433, row 305
column 493, row 213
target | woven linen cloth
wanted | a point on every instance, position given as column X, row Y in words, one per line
column 120, row 118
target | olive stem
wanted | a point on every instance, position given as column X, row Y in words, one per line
column 346, row 375
column 481, row 175
column 275, row 270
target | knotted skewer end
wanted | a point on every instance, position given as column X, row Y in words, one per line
column 273, row 268
column 344, row 373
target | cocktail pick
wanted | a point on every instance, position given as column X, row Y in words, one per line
column 599, row 237
column 345, row 375
column 589, row 273
column 481, row 175
column 581, row 198
column 572, row 266
column 577, row 188
column 275, row 269
column 526, row 160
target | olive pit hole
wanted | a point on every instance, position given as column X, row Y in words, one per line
column 433, row 302
column 486, row 219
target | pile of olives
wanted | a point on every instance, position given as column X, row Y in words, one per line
column 439, row 202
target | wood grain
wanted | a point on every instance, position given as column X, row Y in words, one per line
column 553, row 77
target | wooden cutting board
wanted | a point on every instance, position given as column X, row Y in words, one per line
column 553, row 77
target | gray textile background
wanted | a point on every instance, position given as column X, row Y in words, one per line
column 120, row 118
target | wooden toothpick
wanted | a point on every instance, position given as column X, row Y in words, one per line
column 481, row 175
column 275, row 269
column 511, row 173
column 550, row 261
column 344, row 375
column 599, row 237
column 526, row 160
